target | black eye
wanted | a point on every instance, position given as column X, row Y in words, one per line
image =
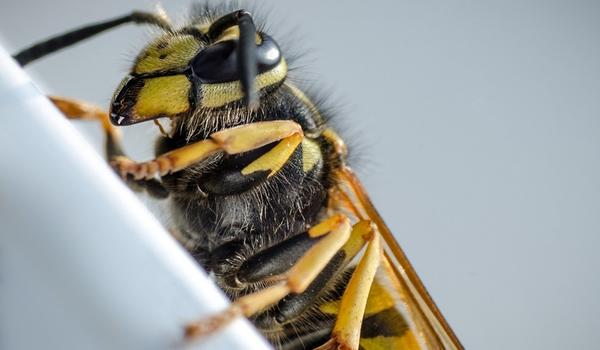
column 219, row 63
column 268, row 54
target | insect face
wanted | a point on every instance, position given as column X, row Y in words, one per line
column 198, row 67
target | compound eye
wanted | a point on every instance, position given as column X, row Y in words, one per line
column 217, row 63
column 268, row 54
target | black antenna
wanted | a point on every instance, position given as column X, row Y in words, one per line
column 56, row 43
column 247, row 64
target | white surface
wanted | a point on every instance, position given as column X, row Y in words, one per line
column 83, row 265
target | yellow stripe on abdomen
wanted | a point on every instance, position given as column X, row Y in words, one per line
column 408, row 341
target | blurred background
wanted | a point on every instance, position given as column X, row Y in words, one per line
column 476, row 129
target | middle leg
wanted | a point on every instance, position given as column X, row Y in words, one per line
column 334, row 233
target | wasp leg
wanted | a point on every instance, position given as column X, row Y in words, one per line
column 275, row 260
column 56, row 43
column 234, row 140
column 346, row 332
column 308, row 340
column 74, row 109
column 292, row 306
column 339, row 146
column 335, row 232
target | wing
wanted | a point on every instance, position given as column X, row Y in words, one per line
column 400, row 312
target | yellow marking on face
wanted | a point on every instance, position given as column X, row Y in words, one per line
column 406, row 342
column 218, row 95
column 167, row 96
column 311, row 154
column 273, row 160
column 203, row 27
column 167, row 53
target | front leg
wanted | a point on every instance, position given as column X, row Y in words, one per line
column 76, row 109
column 234, row 140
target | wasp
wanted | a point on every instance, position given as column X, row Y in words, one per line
column 260, row 188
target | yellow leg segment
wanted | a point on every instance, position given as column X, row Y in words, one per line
column 335, row 231
column 338, row 144
column 273, row 160
column 234, row 140
column 346, row 332
column 75, row 109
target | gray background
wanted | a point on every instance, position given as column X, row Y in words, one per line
column 477, row 126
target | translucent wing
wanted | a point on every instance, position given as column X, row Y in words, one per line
column 400, row 312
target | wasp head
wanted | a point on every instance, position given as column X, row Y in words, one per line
column 203, row 66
